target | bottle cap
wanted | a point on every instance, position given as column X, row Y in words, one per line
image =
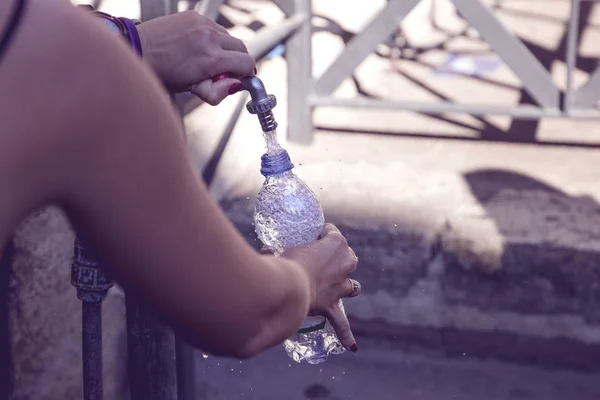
column 275, row 165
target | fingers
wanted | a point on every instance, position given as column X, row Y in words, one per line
column 214, row 92
column 340, row 324
column 352, row 289
column 266, row 250
column 329, row 228
column 229, row 42
column 234, row 62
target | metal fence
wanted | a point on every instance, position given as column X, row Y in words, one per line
column 307, row 92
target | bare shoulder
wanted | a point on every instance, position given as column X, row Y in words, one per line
column 65, row 84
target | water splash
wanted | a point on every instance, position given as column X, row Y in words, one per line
column 273, row 146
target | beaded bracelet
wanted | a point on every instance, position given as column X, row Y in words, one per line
column 132, row 35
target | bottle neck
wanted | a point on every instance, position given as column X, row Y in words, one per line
column 275, row 164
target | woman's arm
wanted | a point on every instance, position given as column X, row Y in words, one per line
column 100, row 138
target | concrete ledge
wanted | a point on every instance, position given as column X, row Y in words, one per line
column 45, row 316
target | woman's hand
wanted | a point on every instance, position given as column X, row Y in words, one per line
column 186, row 49
column 329, row 262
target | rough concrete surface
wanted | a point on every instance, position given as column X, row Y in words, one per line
column 45, row 316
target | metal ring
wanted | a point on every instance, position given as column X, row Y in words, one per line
column 355, row 287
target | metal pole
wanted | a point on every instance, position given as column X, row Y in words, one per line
column 91, row 345
column 185, row 370
column 150, row 343
column 571, row 55
column 300, row 77
column 5, row 353
column 185, row 355
column 151, row 354
column 92, row 286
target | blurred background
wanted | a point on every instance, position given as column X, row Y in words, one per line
column 455, row 143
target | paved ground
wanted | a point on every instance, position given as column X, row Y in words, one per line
column 377, row 373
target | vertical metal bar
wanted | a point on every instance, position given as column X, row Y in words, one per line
column 572, row 51
column 151, row 9
column 5, row 353
column 92, row 284
column 300, row 78
column 150, row 343
column 151, row 354
column 185, row 360
column 185, row 370
column 91, row 345
column 210, row 8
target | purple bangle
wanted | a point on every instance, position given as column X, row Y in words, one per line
column 132, row 34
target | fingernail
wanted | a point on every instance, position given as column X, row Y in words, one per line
column 236, row 87
column 219, row 77
column 354, row 348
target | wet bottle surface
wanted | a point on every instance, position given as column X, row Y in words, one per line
column 288, row 214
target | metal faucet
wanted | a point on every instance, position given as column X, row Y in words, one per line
column 261, row 103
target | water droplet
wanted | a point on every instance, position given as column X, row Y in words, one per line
column 204, row 355
column 333, row 377
column 343, row 372
column 395, row 225
column 321, row 370
column 289, row 365
column 248, row 198
column 231, row 369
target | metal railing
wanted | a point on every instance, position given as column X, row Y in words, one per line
column 306, row 92
column 534, row 76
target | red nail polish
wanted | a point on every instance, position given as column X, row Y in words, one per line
column 236, row 87
column 354, row 348
column 219, row 77
column 255, row 71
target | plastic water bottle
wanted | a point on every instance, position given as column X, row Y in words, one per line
column 288, row 214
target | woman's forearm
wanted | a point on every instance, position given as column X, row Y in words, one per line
column 130, row 190
column 285, row 304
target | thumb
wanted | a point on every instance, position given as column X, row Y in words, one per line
column 214, row 92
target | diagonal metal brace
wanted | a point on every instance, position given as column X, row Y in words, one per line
column 379, row 29
column 535, row 78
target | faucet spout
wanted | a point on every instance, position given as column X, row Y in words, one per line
column 261, row 103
